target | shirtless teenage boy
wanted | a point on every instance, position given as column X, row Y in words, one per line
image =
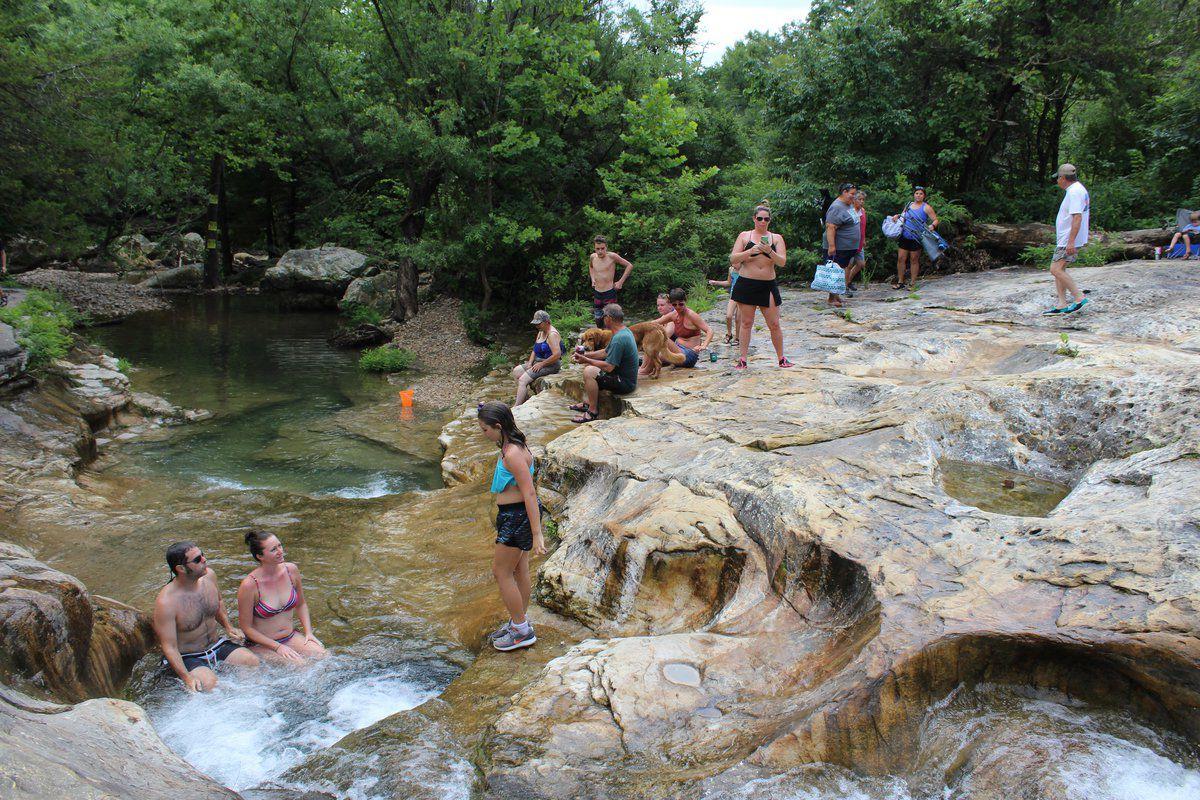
column 602, row 267
column 187, row 613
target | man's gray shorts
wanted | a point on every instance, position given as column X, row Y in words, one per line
column 1060, row 254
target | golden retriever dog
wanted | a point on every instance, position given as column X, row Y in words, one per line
column 651, row 339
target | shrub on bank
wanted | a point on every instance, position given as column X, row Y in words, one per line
column 386, row 359
column 569, row 316
column 1094, row 255
column 359, row 314
column 42, row 323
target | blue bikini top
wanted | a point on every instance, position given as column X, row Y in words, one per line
column 502, row 478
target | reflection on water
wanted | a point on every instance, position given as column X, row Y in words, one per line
column 260, row 723
column 1002, row 742
column 289, row 410
column 999, row 490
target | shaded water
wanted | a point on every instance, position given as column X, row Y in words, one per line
column 287, row 406
column 1001, row 491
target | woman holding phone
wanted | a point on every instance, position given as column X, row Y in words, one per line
column 756, row 253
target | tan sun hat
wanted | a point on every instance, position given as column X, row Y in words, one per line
column 1066, row 171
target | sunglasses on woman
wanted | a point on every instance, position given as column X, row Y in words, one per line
column 763, row 219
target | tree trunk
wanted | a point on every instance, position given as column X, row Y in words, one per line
column 223, row 226
column 269, row 198
column 212, row 265
column 405, row 307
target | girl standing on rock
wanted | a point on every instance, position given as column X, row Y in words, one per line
column 756, row 254
column 267, row 599
column 518, row 523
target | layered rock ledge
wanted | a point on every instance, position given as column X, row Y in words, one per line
column 775, row 575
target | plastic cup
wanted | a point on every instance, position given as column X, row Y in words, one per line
column 406, row 398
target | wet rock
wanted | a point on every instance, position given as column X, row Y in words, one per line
column 98, row 748
column 325, row 270
column 866, row 594
column 97, row 387
column 175, row 249
column 188, row 276
column 364, row 335
column 60, row 637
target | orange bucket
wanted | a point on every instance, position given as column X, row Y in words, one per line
column 406, row 398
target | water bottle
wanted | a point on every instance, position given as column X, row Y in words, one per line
column 712, row 356
column 1157, row 253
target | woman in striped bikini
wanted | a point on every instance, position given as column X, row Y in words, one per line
column 269, row 599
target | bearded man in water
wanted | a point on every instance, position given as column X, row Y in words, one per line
column 602, row 267
column 187, row 612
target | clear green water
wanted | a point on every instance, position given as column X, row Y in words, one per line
column 1001, row 491
column 290, row 412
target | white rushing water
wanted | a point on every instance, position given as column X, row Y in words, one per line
column 257, row 724
column 1002, row 742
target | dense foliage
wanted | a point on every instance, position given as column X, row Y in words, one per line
column 486, row 142
column 42, row 323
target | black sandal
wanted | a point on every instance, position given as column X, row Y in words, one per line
column 578, row 407
column 586, row 416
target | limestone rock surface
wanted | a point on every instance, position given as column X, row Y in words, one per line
column 188, row 276
column 322, row 270
column 57, row 634
column 776, row 575
column 377, row 292
column 97, row 750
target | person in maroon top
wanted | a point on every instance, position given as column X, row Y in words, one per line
column 860, row 259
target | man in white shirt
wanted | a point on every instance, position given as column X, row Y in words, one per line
column 1071, row 228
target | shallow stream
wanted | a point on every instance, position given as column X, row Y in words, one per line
column 397, row 571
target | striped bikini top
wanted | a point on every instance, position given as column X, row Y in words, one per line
column 264, row 611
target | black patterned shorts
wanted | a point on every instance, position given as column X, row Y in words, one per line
column 512, row 526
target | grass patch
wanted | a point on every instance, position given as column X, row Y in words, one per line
column 386, row 359
column 1094, row 255
column 42, row 323
column 496, row 359
column 124, row 366
column 570, row 316
column 359, row 314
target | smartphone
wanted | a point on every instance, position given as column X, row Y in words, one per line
column 766, row 241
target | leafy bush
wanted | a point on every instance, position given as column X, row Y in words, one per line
column 386, row 359
column 359, row 314
column 701, row 296
column 1094, row 255
column 124, row 366
column 570, row 316
column 476, row 323
column 42, row 323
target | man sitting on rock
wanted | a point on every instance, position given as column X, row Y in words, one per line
column 614, row 368
column 186, row 614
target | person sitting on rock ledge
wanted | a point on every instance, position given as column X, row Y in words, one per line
column 614, row 368
column 187, row 612
column 546, row 358
column 266, row 601
column 691, row 333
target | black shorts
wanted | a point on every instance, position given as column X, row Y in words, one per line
column 210, row 657
column 756, row 292
column 614, row 383
column 912, row 245
column 600, row 300
column 512, row 526
column 843, row 257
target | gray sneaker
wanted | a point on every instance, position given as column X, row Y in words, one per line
column 512, row 640
column 503, row 629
